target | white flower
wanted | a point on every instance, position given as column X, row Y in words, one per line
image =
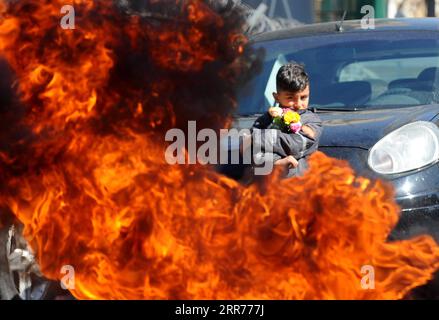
column 275, row 112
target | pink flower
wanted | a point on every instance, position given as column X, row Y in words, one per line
column 295, row 127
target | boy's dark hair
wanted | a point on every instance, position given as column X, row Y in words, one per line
column 292, row 77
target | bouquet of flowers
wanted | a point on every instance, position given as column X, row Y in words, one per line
column 285, row 119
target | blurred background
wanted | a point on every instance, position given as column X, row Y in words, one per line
column 268, row 15
column 312, row 11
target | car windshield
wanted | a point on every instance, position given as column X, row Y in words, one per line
column 352, row 71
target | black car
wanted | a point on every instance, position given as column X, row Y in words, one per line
column 377, row 91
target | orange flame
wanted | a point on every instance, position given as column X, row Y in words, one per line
column 94, row 191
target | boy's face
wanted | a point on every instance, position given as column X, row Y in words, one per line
column 296, row 100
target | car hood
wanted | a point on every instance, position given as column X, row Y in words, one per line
column 364, row 128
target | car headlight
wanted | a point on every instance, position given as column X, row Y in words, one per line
column 410, row 147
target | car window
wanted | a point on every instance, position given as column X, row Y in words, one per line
column 387, row 70
column 390, row 73
column 271, row 82
column 350, row 71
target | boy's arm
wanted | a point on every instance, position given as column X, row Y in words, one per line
column 263, row 121
column 313, row 129
column 303, row 144
column 288, row 161
column 312, row 126
column 309, row 132
column 282, row 144
column 290, row 144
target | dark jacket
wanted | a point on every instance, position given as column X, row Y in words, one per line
column 277, row 145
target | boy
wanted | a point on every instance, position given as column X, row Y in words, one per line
column 289, row 149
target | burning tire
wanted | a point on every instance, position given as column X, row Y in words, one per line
column 20, row 277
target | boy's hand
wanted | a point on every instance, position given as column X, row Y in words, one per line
column 288, row 161
column 275, row 112
column 307, row 131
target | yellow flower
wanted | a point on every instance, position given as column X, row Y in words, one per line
column 291, row 117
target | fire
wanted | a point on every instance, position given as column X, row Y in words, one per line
column 84, row 170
